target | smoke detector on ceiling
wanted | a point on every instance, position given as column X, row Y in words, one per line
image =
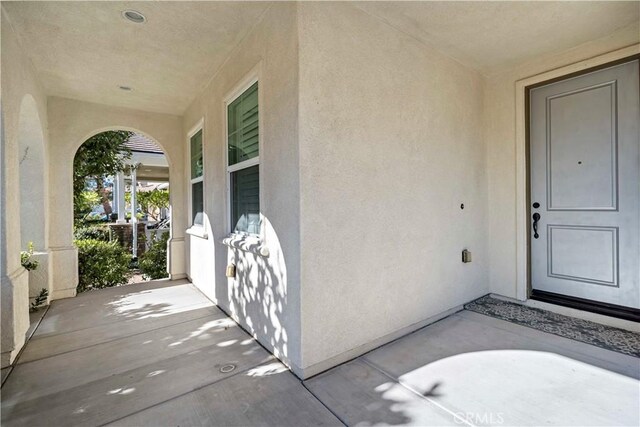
column 133, row 16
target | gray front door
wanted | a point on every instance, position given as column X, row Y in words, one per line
column 585, row 177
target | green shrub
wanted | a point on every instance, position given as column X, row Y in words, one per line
column 26, row 258
column 92, row 233
column 39, row 300
column 153, row 263
column 101, row 264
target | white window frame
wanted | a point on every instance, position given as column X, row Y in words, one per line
column 255, row 75
column 195, row 229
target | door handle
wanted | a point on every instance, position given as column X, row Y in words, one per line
column 536, row 218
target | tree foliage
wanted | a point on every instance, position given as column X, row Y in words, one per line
column 152, row 201
column 101, row 155
column 85, row 201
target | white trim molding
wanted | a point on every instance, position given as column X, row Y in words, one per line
column 522, row 230
column 195, row 229
column 252, row 77
column 247, row 243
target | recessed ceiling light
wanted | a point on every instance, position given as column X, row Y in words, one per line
column 125, row 88
column 133, row 16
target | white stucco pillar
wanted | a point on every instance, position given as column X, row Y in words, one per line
column 114, row 195
column 63, row 254
column 134, row 218
column 119, row 197
column 14, row 280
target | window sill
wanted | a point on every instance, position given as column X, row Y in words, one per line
column 252, row 244
column 197, row 231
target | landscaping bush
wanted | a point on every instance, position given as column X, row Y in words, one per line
column 101, row 264
column 153, row 263
column 26, row 258
column 39, row 300
column 92, row 233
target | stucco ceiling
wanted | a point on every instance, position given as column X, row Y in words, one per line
column 85, row 50
column 492, row 36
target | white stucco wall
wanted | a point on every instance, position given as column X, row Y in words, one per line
column 264, row 296
column 33, row 167
column 500, row 135
column 19, row 86
column 391, row 144
column 32, row 164
column 70, row 124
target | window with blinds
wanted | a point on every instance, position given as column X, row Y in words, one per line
column 245, row 200
column 242, row 122
column 243, row 145
column 197, row 184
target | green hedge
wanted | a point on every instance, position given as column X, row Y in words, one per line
column 92, row 233
column 101, row 264
column 153, row 263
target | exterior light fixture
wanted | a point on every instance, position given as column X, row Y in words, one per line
column 133, row 16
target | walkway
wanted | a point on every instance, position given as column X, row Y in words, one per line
column 160, row 353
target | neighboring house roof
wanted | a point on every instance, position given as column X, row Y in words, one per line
column 150, row 186
column 142, row 144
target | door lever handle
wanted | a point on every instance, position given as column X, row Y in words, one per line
column 536, row 218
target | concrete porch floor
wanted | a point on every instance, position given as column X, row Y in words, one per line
column 160, row 353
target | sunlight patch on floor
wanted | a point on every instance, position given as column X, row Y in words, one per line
column 506, row 384
column 268, row 369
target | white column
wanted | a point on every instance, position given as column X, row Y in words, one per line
column 134, row 218
column 119, row 202
column 114, row 196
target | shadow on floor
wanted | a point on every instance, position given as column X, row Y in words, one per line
column 160, row 353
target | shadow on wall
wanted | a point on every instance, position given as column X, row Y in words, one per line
column 257, row 297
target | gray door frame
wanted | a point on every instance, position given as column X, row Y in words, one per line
column 573, row 302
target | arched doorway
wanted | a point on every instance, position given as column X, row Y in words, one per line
column 70, row 124
column 121, row 198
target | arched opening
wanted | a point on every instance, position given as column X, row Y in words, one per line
column 33, row 217
column 122, row 212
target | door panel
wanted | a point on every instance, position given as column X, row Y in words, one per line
column 585, row 174
column 585, row 254
column 581, row 149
